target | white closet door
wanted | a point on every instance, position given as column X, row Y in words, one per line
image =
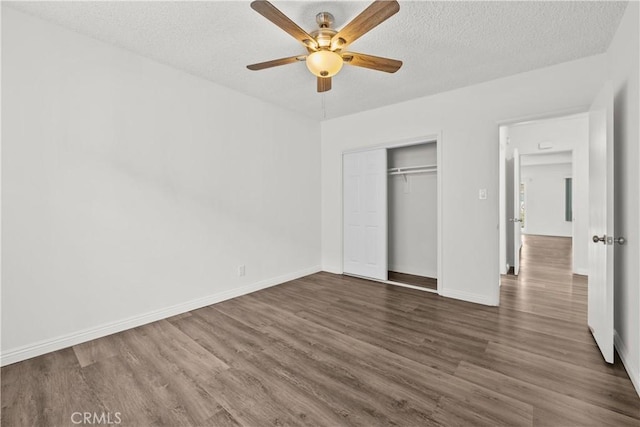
column 365, row 213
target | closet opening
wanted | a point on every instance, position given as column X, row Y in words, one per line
column 413, row 215
column 391, row 214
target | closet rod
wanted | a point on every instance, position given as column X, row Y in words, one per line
column 410, row 168
column 413, row 172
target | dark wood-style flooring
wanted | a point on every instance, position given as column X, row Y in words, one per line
column 328, row 350
column 412, row 279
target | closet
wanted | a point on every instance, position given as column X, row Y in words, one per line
column 390, row 202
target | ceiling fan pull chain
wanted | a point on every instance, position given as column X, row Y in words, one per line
column 324, row 106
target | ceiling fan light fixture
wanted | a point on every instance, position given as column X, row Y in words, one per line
column 325, row 45
column 324, row 63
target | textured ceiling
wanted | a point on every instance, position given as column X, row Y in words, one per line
column 444, row 45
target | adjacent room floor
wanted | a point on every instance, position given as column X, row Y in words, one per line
column 332, row 350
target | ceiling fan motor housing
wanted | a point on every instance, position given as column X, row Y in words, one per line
column 325, row 33
column 325, row 20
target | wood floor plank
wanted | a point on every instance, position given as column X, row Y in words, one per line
column 376, row 293
column 354, row 393
column 95, row 350
column 39, row 366
column 385, row 339
column 222, row 418
column 333, row 350
column 358, row 371
column 132, row 391
column 592, row 386
column 223, row 336
column 46, row 391
column 581, row 351
column 255, row 396
column 400, row 377
column 475, row 407
column 175, row 377
column 175, row 349
column 551, row 408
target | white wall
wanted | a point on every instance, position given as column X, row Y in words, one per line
column 569, row 133
column 131, row 190
column 623, row 71
column 545, row 199
column 413, row 212
column 467, row 119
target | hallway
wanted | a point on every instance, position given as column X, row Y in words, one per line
column 546, row 285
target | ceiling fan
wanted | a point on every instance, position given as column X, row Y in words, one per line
column 325, row 46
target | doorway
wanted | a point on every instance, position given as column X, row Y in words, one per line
column 590, row 189
column 550, row 195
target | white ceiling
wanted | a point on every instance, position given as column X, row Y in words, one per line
column 444, row 45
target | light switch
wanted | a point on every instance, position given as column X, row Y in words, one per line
column 482, row 194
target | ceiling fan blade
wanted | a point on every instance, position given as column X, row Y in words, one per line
column 324, row 84
column 378, row 12
column 270, row 12
column 276, row 62
column 372, row 62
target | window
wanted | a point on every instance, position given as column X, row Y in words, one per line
column 568, row 199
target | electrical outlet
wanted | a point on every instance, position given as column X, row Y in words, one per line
column 482, row 194
column 241, row 270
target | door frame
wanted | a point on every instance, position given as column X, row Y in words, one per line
column 515, row 210
column 398, row 143
column 502, row 177
column 527, row 156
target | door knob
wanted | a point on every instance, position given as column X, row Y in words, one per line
column 514, row 220
column 609, row 240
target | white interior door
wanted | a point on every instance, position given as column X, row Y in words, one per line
column 517, row 219
column 601, row 231
column 365, row 213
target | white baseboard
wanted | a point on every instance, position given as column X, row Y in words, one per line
column 627, row 361
column 332, row 270
column 581, row 271
column 46, row 346
column 469, row 297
